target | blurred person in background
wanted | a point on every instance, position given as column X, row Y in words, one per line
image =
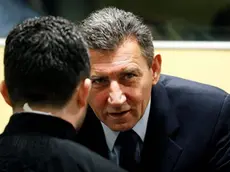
column 13, row 12
column 220, row 29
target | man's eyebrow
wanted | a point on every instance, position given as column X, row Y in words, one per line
column 98, row 76
column 99, row 72
column 132, row 70
column 136, row 70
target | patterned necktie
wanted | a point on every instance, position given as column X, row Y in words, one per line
column 129, row 154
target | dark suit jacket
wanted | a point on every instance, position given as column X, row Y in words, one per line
column 39, row 143
column 188, row 129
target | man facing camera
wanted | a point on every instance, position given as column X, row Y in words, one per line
column 140, row 119
column 46, row 67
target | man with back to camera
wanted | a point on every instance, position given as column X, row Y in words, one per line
column 140, row 119
column 46, row 68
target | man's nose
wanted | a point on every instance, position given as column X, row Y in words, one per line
column 116, row 96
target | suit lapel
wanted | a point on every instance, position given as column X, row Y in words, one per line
column 162, row 128
column 172, row 154
column 92, row 136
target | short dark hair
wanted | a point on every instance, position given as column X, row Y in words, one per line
column 45, row 59
column 107, row 28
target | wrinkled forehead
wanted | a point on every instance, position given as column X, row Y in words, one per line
column 127, row 50
column 112, row 66
column 126, row 56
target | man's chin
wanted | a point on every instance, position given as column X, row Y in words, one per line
column 121, row 126
column 120, row 121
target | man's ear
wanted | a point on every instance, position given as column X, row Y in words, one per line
column 83, row 92
column 4, row 92
column 156, row 68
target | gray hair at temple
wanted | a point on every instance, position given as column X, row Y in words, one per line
column 107, row 28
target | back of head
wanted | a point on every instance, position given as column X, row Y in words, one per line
column 44, row 61
column 107, row 28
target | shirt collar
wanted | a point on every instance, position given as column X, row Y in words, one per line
column 38, row 124
column 28, row 109
column 139, row 128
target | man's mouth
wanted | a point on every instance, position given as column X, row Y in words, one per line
column 118, row 113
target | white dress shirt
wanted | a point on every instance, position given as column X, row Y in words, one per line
column 111, row 136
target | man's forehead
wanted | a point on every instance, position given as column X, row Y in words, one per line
column 101, row 69
column 112, row 58
column 112, row 63
column 128, row 50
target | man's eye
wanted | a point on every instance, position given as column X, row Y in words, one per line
column 99, row 81
column 129, row 75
